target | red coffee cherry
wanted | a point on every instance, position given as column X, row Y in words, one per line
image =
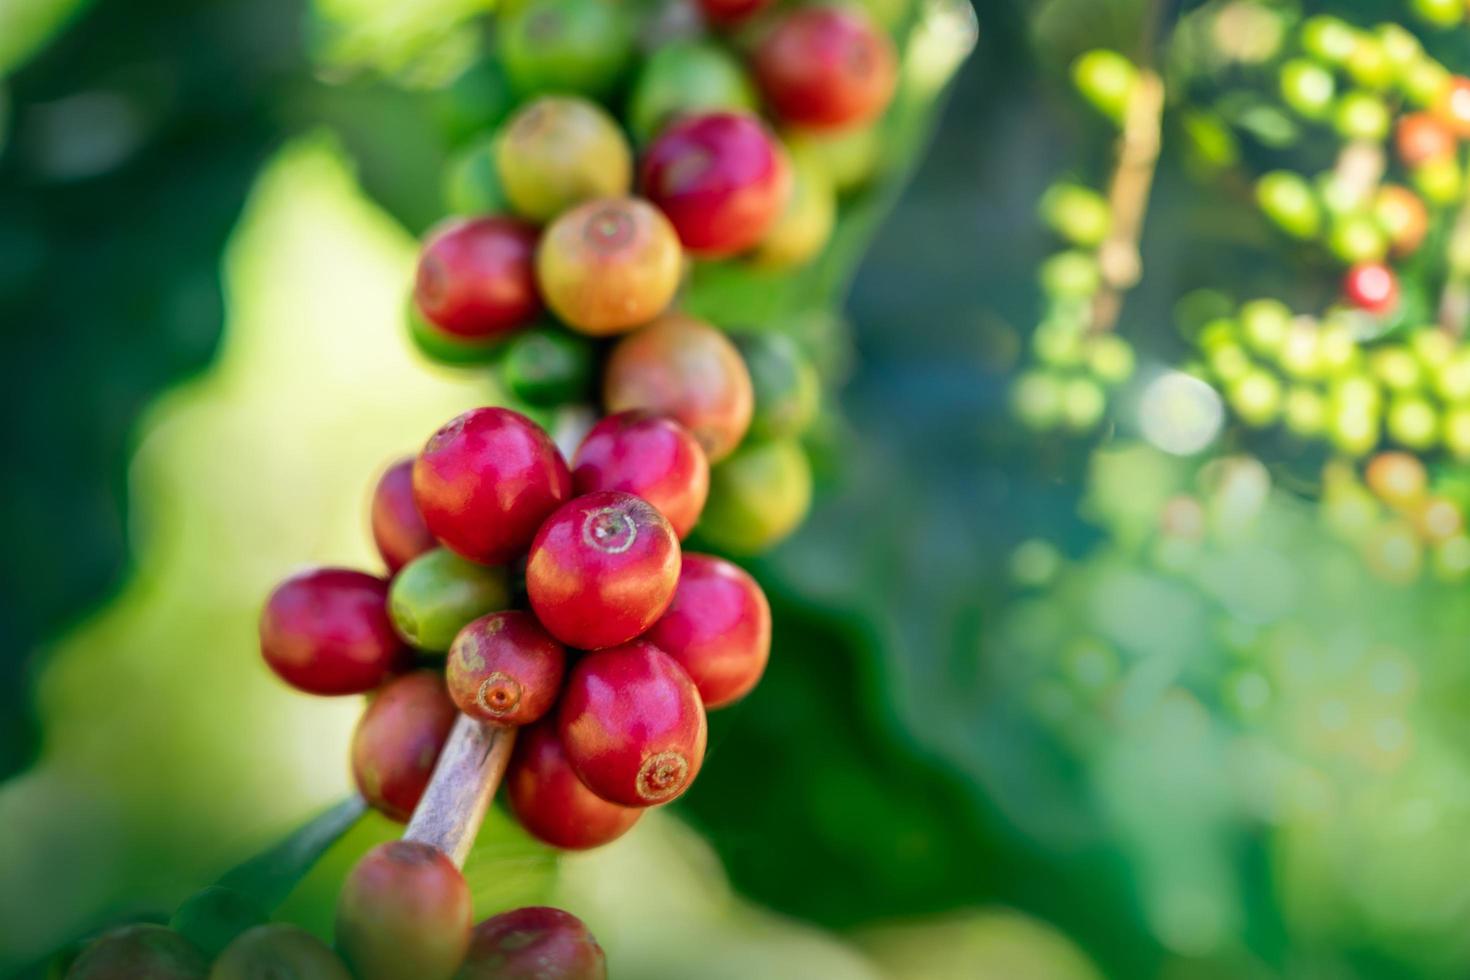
column 1371, row 286
column 722, row 179
column 398, row 529
column 404, row 911
column 727, row 13
column 684, row 368
column 827, row 68
column 549, row 799
column 398, row 740
column 632, row 725
column 609, row 265
column 475, row 277
column 505, row 669
column 327, row 631
column 486, row 481
column 1422, row 137
column 534, row 944
column 1454, row 107
column 718, row 628
column 648, row 456
column 602, row 569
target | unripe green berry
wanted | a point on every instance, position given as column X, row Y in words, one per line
column 549, row 366
column 1354, row 433
column 434, row 596
column 1306, row 411
column 1413, row 422
column 687, row 76
column 1287, row 200
column 1439, row 13
column 1397, row 368
column 136, row 951
column 1452, row 379
column 1440, row 181
column 1107, row 80
column 558, row 151
column 1265, row 323
column 1457, row 432
column 1256, row 397
column 1362, row 116
column 471, row 180
column 1329, row 39
column 1110, row 358
column 1424, row 82
column 1058, row 344
column 1071, row 274
column 1358, row 238
column 805, row 227
column 577, row 47
column 1451, row 558
column 278, row 951
column 444, row 348
column 1078, row 214
column 1036, row 400
column 850, row 156
column 1308, row 88
column 1229, row 362
column 757, row 496
column 1369, row 64
column 1400, row 46
column 1083, row 404
column 213, row 917
column 787, row 390
column 1337, row 349
column 1300, row 355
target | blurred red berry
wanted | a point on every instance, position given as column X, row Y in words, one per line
column 648, row 456
column 827, row 68
column 549, row 800
column 718, row 628
column 505, row 669
column 398, row 528
column 404, row 911
column 1371, row 286
column 533, row 944
column 726, row 13
column 476, row 277
column 1454, row 106
column 1422, row 137
column 398, row 740
column 327, row 631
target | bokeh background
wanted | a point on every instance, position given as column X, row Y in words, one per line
column 1006, row 732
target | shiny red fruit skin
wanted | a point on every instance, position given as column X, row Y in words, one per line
column 1422, row 137
column 1371, row 286
column 603, row 569
column 398, row 740
column 486, row 481
column 826, row 68
column 649, row 456
column 725, row 13
column 404, row 911
column 549, row 799
column 505, row 669
column 535, row 943
column 476, row 277
column 718, row 628
column 721, row 178
column 327, row 631
column 399, row 530
column 632, row 725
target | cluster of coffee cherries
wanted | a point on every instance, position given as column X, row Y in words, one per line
column 1403, row 517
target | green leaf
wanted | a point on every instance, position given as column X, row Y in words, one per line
column 271, row 875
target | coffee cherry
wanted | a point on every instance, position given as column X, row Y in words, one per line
column 566, row 46
column 849, row 157
column 1440, row 181
column 549, row 366
column 1439, row 13
column 471, row 182
column 404, row 911
column 475, row 277
column 505, row 669
column 721, row 178
column 1308, row 88
column 437, row 594
column 1371, row 286
column 1453, row 108
column 398, row 530
column 1078, row 214
column 827, row 68
column 1357, row 238
column 684, row 368
column 1289, row 203
column 1403, row 217
column 727, row 13
column 632, row 725
column 398, row 740
column 549, row 799
column 213, row 917
column 533, row 944
column 787, row 390
column 602, row 569
column 486, row 481
column 327, row 631
column 758, row 496
column 802, row 231
column 718, row 628
column 135, row 951
column 685, row 77
column 1362, row 116
column 1399, row 479
column 1107, row 80
column 441, row 347
column 609, row 265
column 1329, row 39
column 279, row 951
column 1422, row 137
column 648, row 456
column 558, row 151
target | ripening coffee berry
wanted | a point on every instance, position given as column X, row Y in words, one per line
column 559, row 151
column 1399, row 479
column 721, row 178
column 442, row 347
column 827, row 68
column 549, row 799
column 505, row 669
column 1453, row 108
column 787, row 390
column 1371, row 286
column 848, row 157
column 475, row 277
column 648, row 456
column 632, row 725
column 404, row 911
column 278, row 951
column 1287, row 199
column 533, row 944
column 1422, row 137
column 213, row 917
column 327, row 631
column 486, row 481
column 718, row 628
column 145, row 950
column 684, row 77
column 438, row 593
column 609, row 265
column 398, row 740
column 549, row 366
column 398, row 529
column 684, row 368
column 805, row 226
column 758, row 496
column 1402, row 216
column 602, row 570
column 580, row 46
column 727, row 13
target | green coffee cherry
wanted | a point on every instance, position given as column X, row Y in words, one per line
column 1424, row 81
column 443, row 348
column 1369, row 64
column 687, row 76
column 1305, row 412
column 1264, row 324
column 1036, row 400
column 1452, row 379
column 1440, row 181
column 1107, row 80
column 577, row 47
column 1412, row 422
column 850, row 157
column 1357, row 238
column 279, row 951
column 558, row 151
column 150, row 951
column 1329, row 39
column 1058, row 344
column 1071, row 274
column 471, row 180
column 787, row 390
column 1457, row 432
column 803, row 230
column 1288, row 201
column 757, row 496
column 1083, row 404
column 1110, row 358
column 1256, row 397
column 213, row 917
column 1308, row 88
column 1362, row 116
column 549, row 366
column 1354, row 432
column 1400, row 47
column 1080, row 215
column 1439, row 13
column 434, row 596
column 1229, row 362
column 1398, row 369
column 475, row 102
